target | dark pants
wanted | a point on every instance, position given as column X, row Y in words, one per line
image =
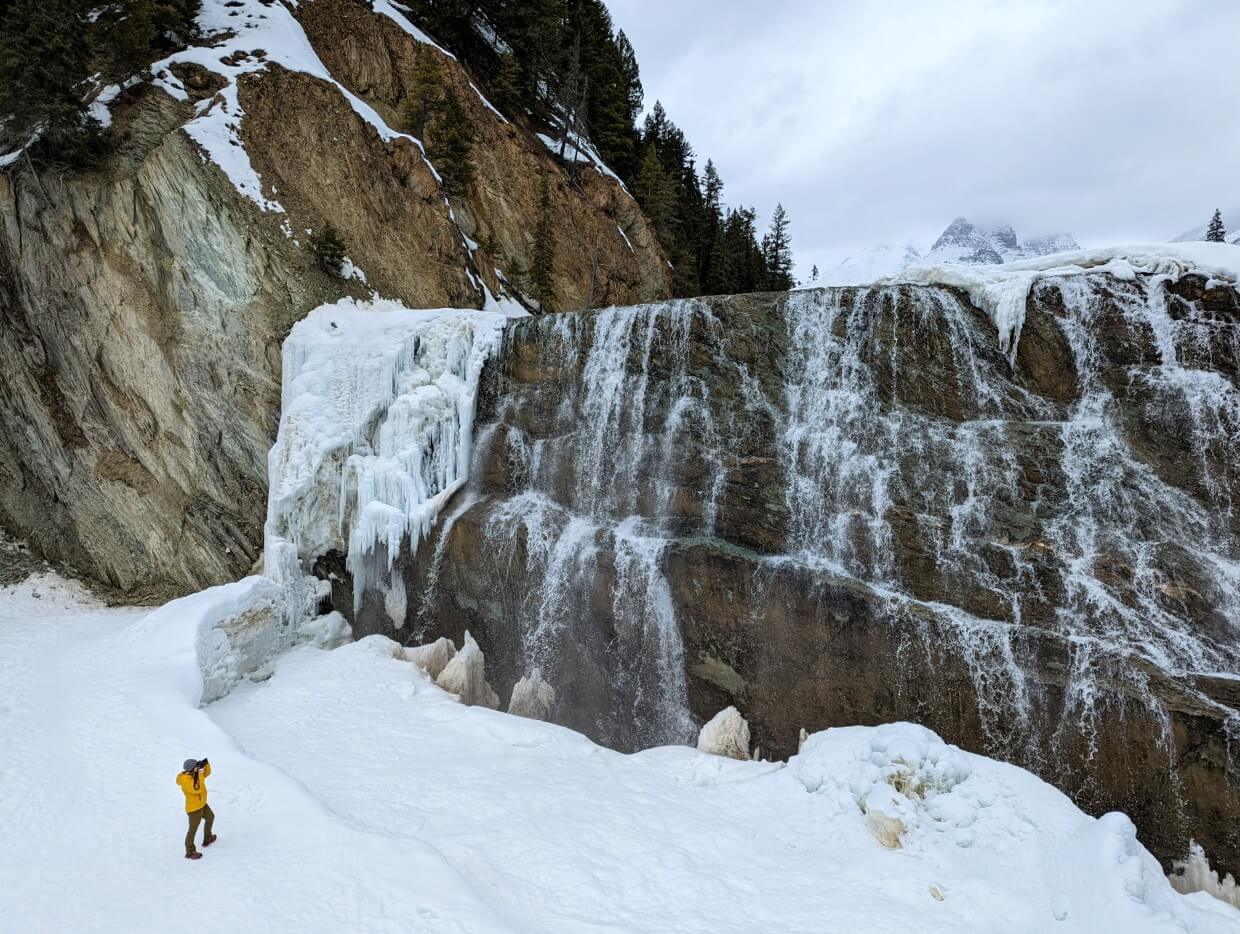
column 196, row 818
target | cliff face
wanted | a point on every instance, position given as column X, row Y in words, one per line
column 143, row 305
column 845, row 506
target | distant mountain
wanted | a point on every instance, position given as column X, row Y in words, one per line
column 872, row 263
column 1231, row 221
column 962, row 242
column 973, row 245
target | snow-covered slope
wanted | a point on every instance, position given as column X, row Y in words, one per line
column 871, row 264
column 351, row 794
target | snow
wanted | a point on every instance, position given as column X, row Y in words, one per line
column 375, row 433
column 576, row 149
column 1002, row 290
column 1231, row 223
column 352, row 794
column 236, row 31
column 870, row 265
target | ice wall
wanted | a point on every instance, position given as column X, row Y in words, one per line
column 375, row 435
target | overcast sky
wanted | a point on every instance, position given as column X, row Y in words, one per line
column 881, row 121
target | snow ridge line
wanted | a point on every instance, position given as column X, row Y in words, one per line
column 1003, row 291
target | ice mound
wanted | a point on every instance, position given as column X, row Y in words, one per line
column 532, row 697
column 465, row 676
column 432, row 658
column 901, row 776
column 726, row 734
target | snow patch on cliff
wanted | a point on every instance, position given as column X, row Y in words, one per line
column 245, row 36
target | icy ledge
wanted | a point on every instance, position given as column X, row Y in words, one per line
column 375, row 433
column 1002, row 291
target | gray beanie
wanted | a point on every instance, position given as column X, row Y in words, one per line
column 190, row 765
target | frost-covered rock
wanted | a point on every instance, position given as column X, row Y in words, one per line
column 726, row 734
column 240, row 634
column 328, row 631
column 465, row 676
column 901, row 776
column 1193, row 874
column 432, row 658
column 532, row 697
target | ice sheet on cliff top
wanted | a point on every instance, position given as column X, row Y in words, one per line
column 1001, row 290
column 352, row 794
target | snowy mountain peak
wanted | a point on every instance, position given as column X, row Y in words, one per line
column 962, row 242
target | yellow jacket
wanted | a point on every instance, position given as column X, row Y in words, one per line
column 195, row 798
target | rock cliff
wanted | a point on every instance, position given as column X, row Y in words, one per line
column 143, row 305
column 847, row 506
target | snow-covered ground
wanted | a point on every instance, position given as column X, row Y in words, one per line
column 353, row 795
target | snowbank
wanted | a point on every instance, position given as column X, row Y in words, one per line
column 351, row 793
column 375, row 435
column 1002, row 291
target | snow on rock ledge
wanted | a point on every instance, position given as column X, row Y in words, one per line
column 1002, row 291
column 375, row 434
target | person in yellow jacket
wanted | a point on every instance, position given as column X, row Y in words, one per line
column 193, row 782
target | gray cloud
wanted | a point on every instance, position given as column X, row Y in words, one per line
column 1116, row 120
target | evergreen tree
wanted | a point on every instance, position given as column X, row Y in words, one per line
column 328, row 249
column 777, row 253
column 424, row 98
column 54, row 57
column 1216, row 232
column 452, row 147
column 45, row 65
column 541, row 281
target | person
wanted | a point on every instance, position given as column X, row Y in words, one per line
column 193, row 782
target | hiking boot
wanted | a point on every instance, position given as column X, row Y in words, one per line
column 194, row 855
column 211, row 839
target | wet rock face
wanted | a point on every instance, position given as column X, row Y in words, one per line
column 846, row 507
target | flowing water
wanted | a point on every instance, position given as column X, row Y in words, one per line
column 911, row 458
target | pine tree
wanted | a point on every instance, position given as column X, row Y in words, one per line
column 45, row 65
column 541, row 281
column 1216, row 232
column 424, row 98
column 452, row 147
column 777, row 253
column 328, row 249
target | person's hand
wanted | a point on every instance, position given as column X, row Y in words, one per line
column 202, row 763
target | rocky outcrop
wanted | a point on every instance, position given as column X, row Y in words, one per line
column 846, row 506
column 142, row 306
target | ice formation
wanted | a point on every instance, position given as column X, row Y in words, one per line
column 432, row 658
column 375, row 436
column 1193, row 874
column 532, row 697
column 1002, row 290
column 725, row 734
column 465, row 676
